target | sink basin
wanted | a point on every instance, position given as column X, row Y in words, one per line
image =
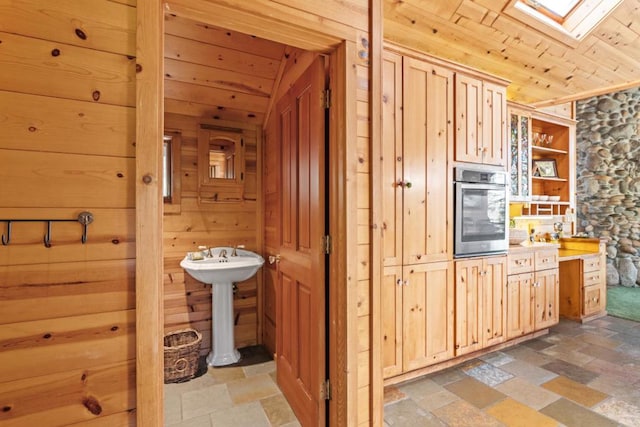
column 229, row 269
column 221, row 272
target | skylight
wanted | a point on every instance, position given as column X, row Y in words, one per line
column 560, row 8
column 568, row 21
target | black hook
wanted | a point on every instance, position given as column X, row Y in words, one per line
column 6, row 239
column 47, row 237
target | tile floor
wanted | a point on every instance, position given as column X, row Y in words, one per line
column 580, row 375
column 229, row 397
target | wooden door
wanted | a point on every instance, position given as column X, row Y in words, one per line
column 546, row 301
column 428, row 314
column 468, row 306
column 392, row 160
column 300, row 331
column 391, row 297
column 519, row 301
column 494, row 125
column 428, row 141
column 469, row 106
column 494, row 310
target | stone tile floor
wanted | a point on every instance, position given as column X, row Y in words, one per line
column 229, row 397
column 580, row 375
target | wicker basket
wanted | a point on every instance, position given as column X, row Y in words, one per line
column 181, row 351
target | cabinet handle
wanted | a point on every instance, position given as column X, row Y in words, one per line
column 399, row 282
column 406, row 282
column 404, row 184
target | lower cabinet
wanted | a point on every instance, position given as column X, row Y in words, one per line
column 417, row 316
column 480, row 312
column 532, row 295
column 582, row 293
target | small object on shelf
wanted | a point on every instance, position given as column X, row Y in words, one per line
column 535, row 197
column 543, row 198
column 554, row 198
column 545, row 168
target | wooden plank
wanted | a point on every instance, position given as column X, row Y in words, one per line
column 268, row 20
column 198, row 52
column 350, row 12
column 93, row 396
column 148, row 191
column 99, row 25
column 219, row 78
column 186, row 28
column 57, row 345
column 41, row 123
column 30, row 179
column 65, row 289
column 216, row 97
column 31, row 66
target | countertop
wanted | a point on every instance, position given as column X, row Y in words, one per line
column 563, row 254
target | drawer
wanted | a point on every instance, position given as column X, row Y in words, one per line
column 546, row 258
column 521, row 262
column 591, row 263
column 591, row 278
column 592, row 300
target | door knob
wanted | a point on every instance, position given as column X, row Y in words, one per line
column 274, row 259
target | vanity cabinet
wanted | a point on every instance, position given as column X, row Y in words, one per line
column 479, row 303
column 481, row 131
column 532, row 290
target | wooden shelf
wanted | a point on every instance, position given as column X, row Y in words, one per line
column 547, row 202
column 547, row 178
column 547, row 150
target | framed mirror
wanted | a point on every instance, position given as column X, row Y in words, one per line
column 220, row 163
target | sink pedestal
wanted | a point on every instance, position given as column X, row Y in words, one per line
column 223, row 351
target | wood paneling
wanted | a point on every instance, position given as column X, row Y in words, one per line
column 542, row 69
column 67, row 313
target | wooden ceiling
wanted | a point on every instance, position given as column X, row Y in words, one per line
column 542, row 70
column 219, row 74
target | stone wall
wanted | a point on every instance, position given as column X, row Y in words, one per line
column 608, row 179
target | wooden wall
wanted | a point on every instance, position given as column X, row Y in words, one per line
column 67, row 313
column 188, row 302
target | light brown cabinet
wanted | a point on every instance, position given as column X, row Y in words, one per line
column 479, row 305
column 583, row 281
column 481, row 131
column 417, row 287
column 532, row 291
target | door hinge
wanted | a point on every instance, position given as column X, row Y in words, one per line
column 326, row 244
column 326, row 390
column 327, row 98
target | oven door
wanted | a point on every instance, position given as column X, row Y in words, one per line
column 481, row 219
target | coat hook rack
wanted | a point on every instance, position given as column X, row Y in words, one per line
column 84, row 218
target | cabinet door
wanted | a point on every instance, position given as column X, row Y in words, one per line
column 468, row 305
column 519, row 305
column 392, row 159
column 546, row 298
column 428, row 139
column 493, row 309
column 428, row 298
column 520, row 155
column 494, row 125
column 469, row 106
column 391, row 297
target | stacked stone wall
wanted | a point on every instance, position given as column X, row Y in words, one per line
column 608, row 179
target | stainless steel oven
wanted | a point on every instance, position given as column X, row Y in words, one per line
column 481, row 217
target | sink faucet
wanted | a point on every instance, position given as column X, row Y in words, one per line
column 222, row 253
column 234, row 252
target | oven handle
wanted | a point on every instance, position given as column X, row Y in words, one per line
column 481, row 186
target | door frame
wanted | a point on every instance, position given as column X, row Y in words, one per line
column 339, row 41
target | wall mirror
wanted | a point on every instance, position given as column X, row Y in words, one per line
column 220, row 163
column 171, row 170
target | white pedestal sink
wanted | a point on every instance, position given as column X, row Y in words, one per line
column 222, row 271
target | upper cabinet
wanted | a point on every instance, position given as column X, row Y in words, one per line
column 481, row 111
column 542, row 161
